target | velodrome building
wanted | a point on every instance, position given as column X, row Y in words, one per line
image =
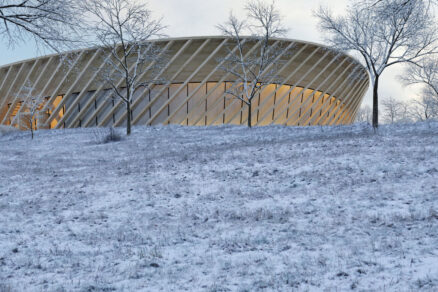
column 317, row 86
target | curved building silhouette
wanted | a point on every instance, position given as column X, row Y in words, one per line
column 316, row 86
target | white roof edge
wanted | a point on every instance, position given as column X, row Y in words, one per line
column 180, row 39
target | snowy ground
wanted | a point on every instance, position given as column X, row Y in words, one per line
column 221, row 209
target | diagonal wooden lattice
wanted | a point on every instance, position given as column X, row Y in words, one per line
column 318, row 86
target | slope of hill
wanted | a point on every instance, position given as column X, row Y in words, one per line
column 220, row 209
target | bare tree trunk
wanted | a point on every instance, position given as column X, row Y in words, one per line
column 376, row 103
column 249, row 115
column 128, row 119
column 387, row 33
column 31, row 130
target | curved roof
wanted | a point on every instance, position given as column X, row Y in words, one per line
column 176, row 39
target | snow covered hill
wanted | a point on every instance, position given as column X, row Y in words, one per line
column 220, row 209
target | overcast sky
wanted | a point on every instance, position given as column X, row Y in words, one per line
column 199, row 17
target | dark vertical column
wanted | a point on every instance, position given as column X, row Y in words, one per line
column 168, row 97
column 241, row 112
column 187, row 104
column 301, row 103
column 114, row 114
column 258, row 107
column 63, row 111
column 206, row 92
column 275, row 99
column 225, row 90
column 150, row 112
column 131, row 111
column 79, row 110
column 95, row 108
column 288, row 104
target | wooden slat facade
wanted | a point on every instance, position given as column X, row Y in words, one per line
column 318, row 86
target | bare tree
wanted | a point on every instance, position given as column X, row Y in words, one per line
column 384, row 33
column 422, row 109
column 424, row 73
column 253, row 71
column 52, row 22
column 364, row 114
column 395, row 111
column 406, row 2
column 30, row 110
column 122, row 28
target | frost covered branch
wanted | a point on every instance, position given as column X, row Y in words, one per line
column 122, row 28
column 384, row 33
column 51, row 22
column 253, row 69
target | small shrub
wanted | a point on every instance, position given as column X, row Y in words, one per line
column 6, row 129
column 5, row 288
column 106, row 135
